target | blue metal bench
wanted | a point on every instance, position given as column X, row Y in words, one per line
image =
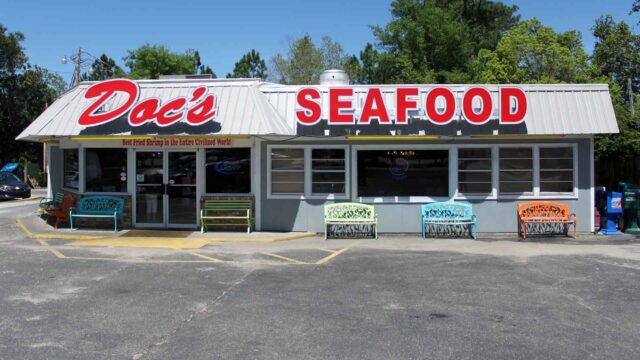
column 447, row 214
column 99, row 207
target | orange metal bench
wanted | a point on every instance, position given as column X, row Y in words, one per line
column 545, row 212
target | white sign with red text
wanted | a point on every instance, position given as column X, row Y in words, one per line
column 439, row 104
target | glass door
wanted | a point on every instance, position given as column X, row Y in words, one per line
column 150, row 188
column 181, row 189
column 166, row 192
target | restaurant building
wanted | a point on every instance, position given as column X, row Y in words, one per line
column 167, row 145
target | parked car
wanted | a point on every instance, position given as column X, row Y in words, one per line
column 11, row 187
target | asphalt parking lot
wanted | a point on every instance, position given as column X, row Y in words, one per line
column 371, row 301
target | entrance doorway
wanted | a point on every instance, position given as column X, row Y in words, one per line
column 166, row 192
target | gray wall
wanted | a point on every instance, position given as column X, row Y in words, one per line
column 493, row 215
column 55, row 169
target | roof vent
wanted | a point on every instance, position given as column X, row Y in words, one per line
column 334, row 77
column 188, row 76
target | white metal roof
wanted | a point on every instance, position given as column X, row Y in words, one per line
column 251, row 107
column 242, row 110
column 557, row 109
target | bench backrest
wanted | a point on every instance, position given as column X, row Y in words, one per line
column 231, row 205
column 543, row 209
column 351, row 211
column 100, row 204
column 447, row 210
column 66, row 203
column 57, row 198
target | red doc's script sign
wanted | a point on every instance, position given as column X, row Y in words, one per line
column 197, row 108
column 342, row 111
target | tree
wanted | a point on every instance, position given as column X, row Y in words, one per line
column 250, row 65
column 103, row 68
column 434, row 40
column 533, row 53
column 304, row 62
column 616, row 53
column 151, row 61
column 25, row 91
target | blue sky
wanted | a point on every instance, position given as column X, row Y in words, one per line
column 224, row 30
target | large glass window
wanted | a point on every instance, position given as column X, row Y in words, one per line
column 327, row 171
column 474, row 171
column 70, row 171
column 287, row 171
column 516, row 170
column 106, row 170
column 228, row 170
column 556, row 169
column 403, row 173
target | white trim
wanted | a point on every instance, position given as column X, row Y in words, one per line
column 256, row 184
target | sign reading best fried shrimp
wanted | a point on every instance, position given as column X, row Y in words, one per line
column 440, row 105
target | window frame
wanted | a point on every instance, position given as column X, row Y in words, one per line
column 537, row 194
column 307, row 194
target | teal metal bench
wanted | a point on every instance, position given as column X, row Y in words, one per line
column 99, row 206
column 448, row 213
column 217, row 212
column 48, row 205
column 350, row 214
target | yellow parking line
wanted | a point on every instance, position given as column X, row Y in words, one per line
column 326, row 259
column 328, row 250
column 212, row 259
column 294, row 261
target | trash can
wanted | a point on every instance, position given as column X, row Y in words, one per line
column 630, row 206
column 614, row 210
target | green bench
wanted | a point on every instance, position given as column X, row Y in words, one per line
column 350, row 214
column 218, row 212
column 49, row 205
column 99, row 207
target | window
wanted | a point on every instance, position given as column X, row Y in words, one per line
column 287, row 171
column 228, row 170
column 327, row 171
column 516, row 170
column 474, row 171
column 106, row 170
column 556, row 169
column 70, row 168
column 403, row 173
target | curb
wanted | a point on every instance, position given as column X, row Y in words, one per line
column 32, row 235
column 27, row 199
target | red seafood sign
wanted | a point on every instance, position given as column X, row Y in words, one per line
column 196, row 109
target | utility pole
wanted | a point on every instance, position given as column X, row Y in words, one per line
column 76, row 73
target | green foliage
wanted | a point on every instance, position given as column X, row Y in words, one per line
column 151, row 61
column 25, row 91
column 304, row 62
column 434, row 40
column 103, row 68
column 617, row 53
column 250, row 65
column 534, row 53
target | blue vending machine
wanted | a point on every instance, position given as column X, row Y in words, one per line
column 614, row 210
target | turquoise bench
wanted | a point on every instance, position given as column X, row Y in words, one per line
column 99, row 206
column 448, row 214
column 350, row 214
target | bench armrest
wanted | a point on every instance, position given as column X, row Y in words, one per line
column 572, row 216
column 474, row 217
